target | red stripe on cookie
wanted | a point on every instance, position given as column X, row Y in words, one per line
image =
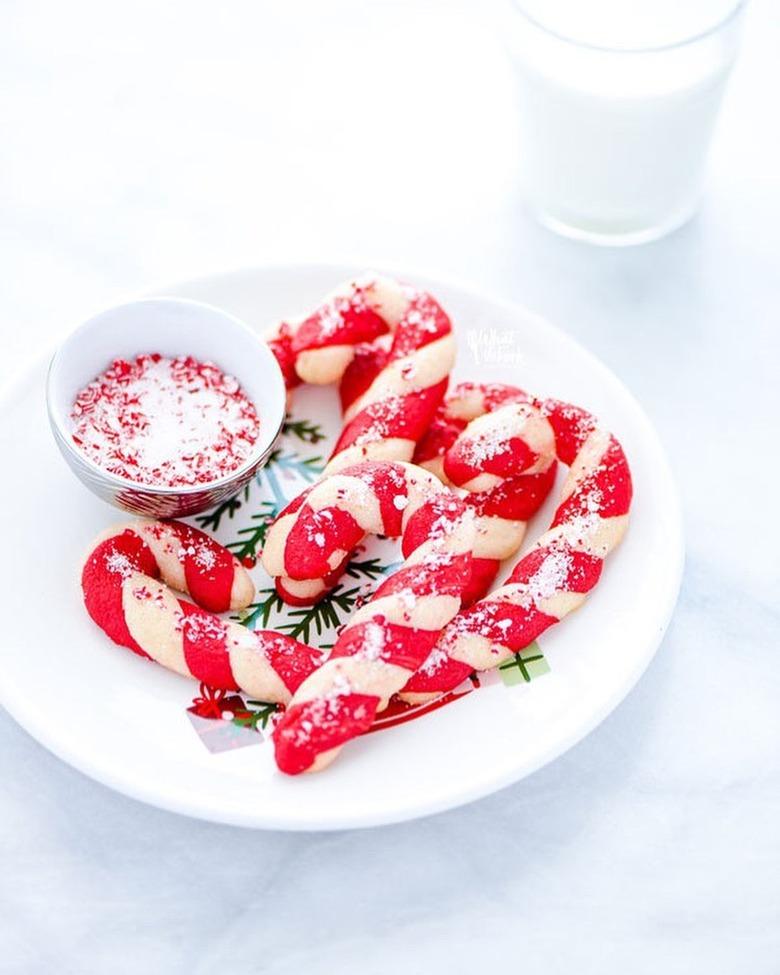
column 424, row 322
column 291, row 660
column 208, row 568
column 492, row 454
column 392, row 643
column 606, row 493
column 571, row 425
column 405, row 416
column 504, row 624
column 483, row 573
column 518, row 498
column 557, row 567
column 387, row 482
column 434, row 519
column 338, row 322
column 441, row 434
column 368, row 362
column 102, row 578
column 319, row 725
column 438, row 671
column 448, row 576
column 314, row 537
column 204, row 642
column 281, row 346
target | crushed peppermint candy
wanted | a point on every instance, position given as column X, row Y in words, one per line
column 156, row 597
column 199, row 626
column 165, row 422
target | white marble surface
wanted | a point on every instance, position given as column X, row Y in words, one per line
column 149, row 142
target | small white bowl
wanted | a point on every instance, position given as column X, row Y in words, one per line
column 172, row 327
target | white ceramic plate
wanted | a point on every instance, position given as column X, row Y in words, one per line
column 125, row 722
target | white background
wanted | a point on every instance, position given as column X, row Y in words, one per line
column 147, row 142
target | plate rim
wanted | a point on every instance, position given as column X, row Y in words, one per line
column 454, row 798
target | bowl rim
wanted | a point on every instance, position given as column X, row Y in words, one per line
column 255, row 458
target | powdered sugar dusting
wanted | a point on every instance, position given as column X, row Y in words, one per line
column 383, row 416
column 120, row 564
column 435, row 659
column 205, row 557
column 325, row 714
column 580, row 528
column 551, row 576
column 492, row 434
column 374, row 642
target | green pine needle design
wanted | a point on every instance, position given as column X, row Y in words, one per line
column 257, row 615
column 521, row 662
column 369, row 569
column 212, row 519
column 329, row 613
column 309, row 468
column 254, row 718
column 322, row 616
column 304, row 430
column 252, row 538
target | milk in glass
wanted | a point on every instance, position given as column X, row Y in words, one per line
column 617, row 102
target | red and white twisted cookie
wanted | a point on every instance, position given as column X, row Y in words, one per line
column 491, row 441
column 390, row 346
column 557, row 573
column 311, row 540
column 387, row 639
column 125, row 582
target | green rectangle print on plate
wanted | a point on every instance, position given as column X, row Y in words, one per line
column 524, row 666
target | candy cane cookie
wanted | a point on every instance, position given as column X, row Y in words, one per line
column 391, row 348
column 312, row 539
column 491, row 441
column 504, row 457
column 554, row 577
column 127, row 581
column 385, row 641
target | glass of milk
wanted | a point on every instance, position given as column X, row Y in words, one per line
column 617, row 103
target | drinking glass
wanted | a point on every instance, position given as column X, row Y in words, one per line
column 617, row 102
